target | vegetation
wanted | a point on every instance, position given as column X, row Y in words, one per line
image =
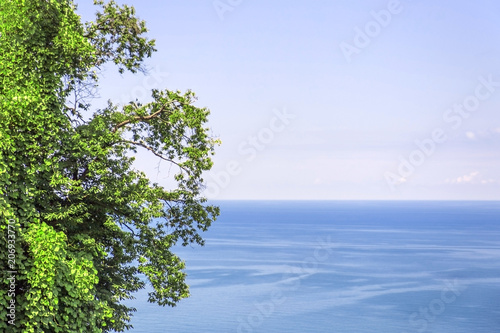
column 80, row 225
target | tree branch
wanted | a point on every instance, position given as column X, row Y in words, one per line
column 125, row 122
column 157, row 154
column 132, row 231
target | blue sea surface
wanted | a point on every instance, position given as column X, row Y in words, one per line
column 340, row 266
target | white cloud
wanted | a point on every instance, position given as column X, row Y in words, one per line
column 484, row 134
column 471, row 178
column 470, row 135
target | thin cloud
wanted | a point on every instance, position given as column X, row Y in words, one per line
column 485, row 134
column 470, row 135
column 471, row 178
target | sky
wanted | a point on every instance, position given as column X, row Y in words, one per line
column 331, row 100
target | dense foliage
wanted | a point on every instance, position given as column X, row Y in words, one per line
column 79, row 224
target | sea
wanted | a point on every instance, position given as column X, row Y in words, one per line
column 339, row 266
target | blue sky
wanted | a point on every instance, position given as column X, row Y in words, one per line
column 331, row 99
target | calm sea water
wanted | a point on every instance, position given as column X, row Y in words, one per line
column 392, row 267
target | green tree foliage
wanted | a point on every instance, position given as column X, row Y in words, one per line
column 87, row 224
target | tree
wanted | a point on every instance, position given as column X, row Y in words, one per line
column 80, row 225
